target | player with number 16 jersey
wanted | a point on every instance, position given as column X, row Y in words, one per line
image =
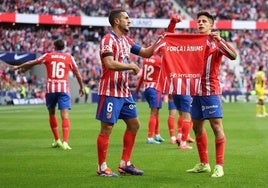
column 58, row 65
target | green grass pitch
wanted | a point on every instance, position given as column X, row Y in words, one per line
column 27, row 160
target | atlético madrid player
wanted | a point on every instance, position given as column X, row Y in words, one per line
column 150, row 72
column 206, row 104
column 58, row 64
column 115, row 99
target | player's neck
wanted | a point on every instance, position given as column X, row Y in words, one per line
column 118, row 32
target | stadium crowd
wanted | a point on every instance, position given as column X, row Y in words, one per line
column 222, row 9
column 141, row 9
column 82, row 42
column 229, row 10
column 39, row 7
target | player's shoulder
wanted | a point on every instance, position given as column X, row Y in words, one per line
column 260, row 73
column 152, row 60
column 157, row 58
column 106, row 37
column 58, row 55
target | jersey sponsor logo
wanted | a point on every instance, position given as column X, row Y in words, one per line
column 210, row 108
column 18, row 57
column 179, row 75
column 132, row 106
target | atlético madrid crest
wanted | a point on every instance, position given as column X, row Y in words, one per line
column 108, row 115
column 106, row 48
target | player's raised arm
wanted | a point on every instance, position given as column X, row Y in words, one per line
column 174, row 19
column 25, row 66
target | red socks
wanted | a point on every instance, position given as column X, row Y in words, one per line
column 202, row 147
column 103, row 143
column 157, row 130
column 180, row 120
column 186, row 127
column 171, row 126
column 220, row 146
column 152, row 126
column 128, row 143
column 65, row 129
column 102, row 147
column 54, row 126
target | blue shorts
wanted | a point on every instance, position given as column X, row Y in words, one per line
column 171, row 105
column 182, row 102
column 63, row 99
column 206, row 107
column 110, row 109
column 153, row 97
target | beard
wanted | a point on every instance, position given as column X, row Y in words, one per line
column 126, row 30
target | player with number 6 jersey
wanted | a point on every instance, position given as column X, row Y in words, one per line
column 115, row 99
column 58, row 64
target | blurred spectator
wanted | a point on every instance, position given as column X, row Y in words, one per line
column 39, row 7
column 229, row 10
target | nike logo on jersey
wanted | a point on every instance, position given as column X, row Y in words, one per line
column 18, row 57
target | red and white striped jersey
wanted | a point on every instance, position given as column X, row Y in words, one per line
column 150, row 71
column 115, row 83
column 58, row 65
column 215, row 50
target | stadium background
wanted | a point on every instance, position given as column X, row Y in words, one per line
column 28, row 28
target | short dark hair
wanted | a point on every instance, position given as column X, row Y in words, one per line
column 59, row 44
column 115, row 14
column 204, row 13
column 260, row 67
